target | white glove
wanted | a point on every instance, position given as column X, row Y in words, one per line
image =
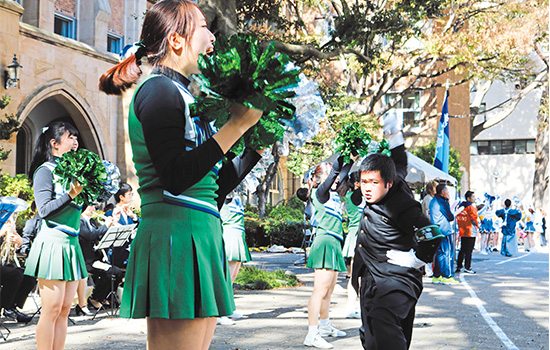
column 392, row 131
column 405, row 259
column 455, row 208
column 389, row 123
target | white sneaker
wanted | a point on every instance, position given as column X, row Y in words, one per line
column 317, row 342
column 225, row 321
column 236, row 316
column 354, row 314
column 484, row 252
column 330, row 331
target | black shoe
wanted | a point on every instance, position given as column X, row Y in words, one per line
column 82, row 311
column 470, row 271
column 458, row 269
column 16, row 315
column 91, row 306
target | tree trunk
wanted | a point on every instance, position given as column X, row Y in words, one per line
column 221, row 16
column 262, row 191
column 540, row 182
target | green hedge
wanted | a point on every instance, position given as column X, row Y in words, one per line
column 282, row 226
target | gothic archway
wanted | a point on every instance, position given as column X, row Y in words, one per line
column 54, row 102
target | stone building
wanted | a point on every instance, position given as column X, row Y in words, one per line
column 63, row 47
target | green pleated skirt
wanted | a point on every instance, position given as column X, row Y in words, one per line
column 236, row 248
column 326, row 253
column 177, row 267
column 349, row 243
column 55, row 255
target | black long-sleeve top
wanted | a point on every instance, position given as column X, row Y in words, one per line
column 32, row 226
column 390, row 224
column 338, row 168
column 44, row 193
column 178, row 163
column 90, row 234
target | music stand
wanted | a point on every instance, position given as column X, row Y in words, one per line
column 115, row 237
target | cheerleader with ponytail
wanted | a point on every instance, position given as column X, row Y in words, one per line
column 55, row 257
column 326, row 252
column 177, row 275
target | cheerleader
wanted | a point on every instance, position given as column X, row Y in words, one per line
column 55, row 257
column 530, row 229
column 177, row 274
column 325, row 254
column 236, row 250
column 354, row 219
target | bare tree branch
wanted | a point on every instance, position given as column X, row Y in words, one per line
column 498, row 117
column 307, row 52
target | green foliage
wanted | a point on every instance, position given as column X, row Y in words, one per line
column 8, row 126
column 285, row 233
column 255, row 234
column 282, row 225
column 286, row 213
column 259, row 12
column 427, row 153
column 18, row 186
column 295, row 203
column 250, row 277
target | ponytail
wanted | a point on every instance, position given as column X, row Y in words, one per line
column 320, row 170
column 120, row 77
column 162, row 19
column 43, row 148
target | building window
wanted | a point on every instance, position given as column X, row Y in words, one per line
column 502, row 147
column 507, row 147
column 64, row 26
column 530, row 146
column 114, row 44
column 520, row 146
column 408, row 109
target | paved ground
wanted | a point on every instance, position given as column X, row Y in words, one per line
column 503, row 306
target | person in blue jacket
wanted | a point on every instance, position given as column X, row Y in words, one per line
column 510, row 218
column 441, row 214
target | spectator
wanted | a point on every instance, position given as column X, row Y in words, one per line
column 15, row 285
column 467, row 228
column 440, row 214
column 123, row 198
column 510, row 217
column 90, row 234
column 543, row 227
column 430, row 193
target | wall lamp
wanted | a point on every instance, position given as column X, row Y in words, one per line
column 13, row 73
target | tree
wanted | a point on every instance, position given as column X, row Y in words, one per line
column 262, row 191
column 399, row 46
column 540, row 183
column 427, row 153
column 7, row 127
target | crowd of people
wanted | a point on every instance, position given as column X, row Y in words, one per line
column 179, row 267
column 471, row 223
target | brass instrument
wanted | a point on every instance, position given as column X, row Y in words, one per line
column 7, row 250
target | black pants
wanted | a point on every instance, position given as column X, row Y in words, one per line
column 15, row 287
column 465, row 254
column 387, row 319
column 102, row 281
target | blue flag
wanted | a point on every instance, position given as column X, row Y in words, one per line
column 441, row 160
